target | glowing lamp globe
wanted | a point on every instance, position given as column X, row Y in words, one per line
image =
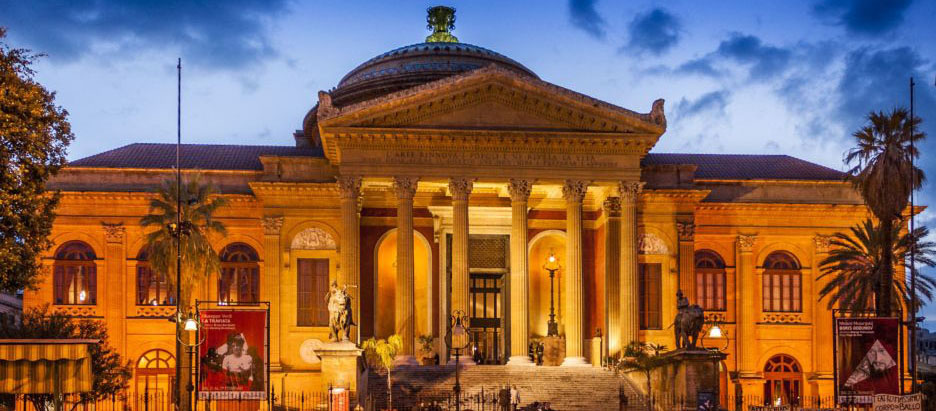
column 715, row 332
column 190, row 325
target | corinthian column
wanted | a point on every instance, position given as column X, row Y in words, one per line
column 519, row 273
column 405, row 279
column 460, row 189
column 350, row 271
column 630, row 324
column 746, row 306
column 574, row 192
column 612, row 208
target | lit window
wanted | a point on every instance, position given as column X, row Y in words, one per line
column 649, row 285
column 152, row 287
column 782, row 283
column 239, row 281
column 75, row 275
column 710, row 280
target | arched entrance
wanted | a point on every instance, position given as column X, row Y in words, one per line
column 541, row 246
column 783, row 381
column 155, row 377
column 386, row 254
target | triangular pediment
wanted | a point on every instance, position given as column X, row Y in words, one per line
column 491, row 99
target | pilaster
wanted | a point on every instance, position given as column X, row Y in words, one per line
column 271, row 287
column 349, row 272
column 116, row 281
column 823, row 363
column 686, row 232
column 746, row 307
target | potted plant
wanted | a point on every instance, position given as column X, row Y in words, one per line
column 425, row 347
column 380, row 354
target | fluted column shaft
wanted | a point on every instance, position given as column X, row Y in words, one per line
column 574, row 192
column 272, row 271
column 519, row 272
column 350, row 271
column 612, row 208
column 629, row 310
column 687, row 282
column 460, row 189
column 405, row 280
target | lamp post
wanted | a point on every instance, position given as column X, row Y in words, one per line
column 458, row 339
column 552, row 266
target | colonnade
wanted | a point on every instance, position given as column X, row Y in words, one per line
column 622, row 210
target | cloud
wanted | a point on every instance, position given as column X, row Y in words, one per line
column 714, row 101
column 655, row 32
column 214, row 35
column 701, row 66
column 583, row 15
column 865, row 17
column 765, row 61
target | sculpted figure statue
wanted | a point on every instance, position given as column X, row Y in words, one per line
column 339, row 313
column 688, row 323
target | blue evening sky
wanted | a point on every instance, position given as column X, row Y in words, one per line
column 793, row 77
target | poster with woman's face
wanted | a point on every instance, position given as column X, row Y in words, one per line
column 232, row 359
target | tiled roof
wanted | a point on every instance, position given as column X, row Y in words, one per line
column 193, row 156
column 241, row 157
column 747, row 166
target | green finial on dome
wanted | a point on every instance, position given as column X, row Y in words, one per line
column 441, row 20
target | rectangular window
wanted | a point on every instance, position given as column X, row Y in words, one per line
column 239, row 283
column 782, row 291
column 312, row 287
column 75, row 284
column 710, row 289
column 649, row 284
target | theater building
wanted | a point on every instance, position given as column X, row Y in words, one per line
column 441, row 176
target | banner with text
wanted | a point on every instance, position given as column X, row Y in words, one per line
column 867, row 359
column 885, row 402
column 232, row 359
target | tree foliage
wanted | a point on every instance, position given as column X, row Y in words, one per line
column 884, row 174
column 34, row 133
column 111, row 375
column 381, row 354
column 199, row 204
column 643, row 357
column 853, row 267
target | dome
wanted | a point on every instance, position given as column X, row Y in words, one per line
column 414, row 65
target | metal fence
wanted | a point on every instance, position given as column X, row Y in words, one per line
column 162, row 401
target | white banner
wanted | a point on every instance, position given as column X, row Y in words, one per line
column 885, row 402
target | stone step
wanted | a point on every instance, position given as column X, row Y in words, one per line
column 566, row 389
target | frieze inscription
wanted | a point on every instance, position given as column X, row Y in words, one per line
column 494, row 159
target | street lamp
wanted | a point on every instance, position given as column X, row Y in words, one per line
column 458, row 338
column 190, row 323
column 716, row 333
column 552, row 265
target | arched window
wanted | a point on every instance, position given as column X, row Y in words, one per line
column 783, row 379
column 710, row 280
column 239, row 281
column 155, row 377
column 75, row 274
column 152, row 287
column 782, row 288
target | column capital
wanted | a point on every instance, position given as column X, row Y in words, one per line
column 612, row 206
column 822, row 242
column 272, row 224
column 574, row 190
column 519, row 189
column 746, row 242
column 114, row 232
column 686, row 230
column 405, row 187
column 630, row 189
column 349, row 186
column 461, row 187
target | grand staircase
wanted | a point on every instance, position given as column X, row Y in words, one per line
column 566, row 389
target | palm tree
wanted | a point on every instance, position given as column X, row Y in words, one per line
column 643, row 357
column 199, row 204
column 884, row 174
column 853, row 267
column 382, row 354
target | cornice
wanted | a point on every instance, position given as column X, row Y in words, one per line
column 771, row 181
column 775, row 207
column 693, row 196
column 264, row 188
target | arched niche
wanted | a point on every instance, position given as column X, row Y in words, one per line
column 544, row 243
column 385, row 253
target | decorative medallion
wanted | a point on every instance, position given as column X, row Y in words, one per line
column 313, row 239
column 649, row 243
column 307, row 351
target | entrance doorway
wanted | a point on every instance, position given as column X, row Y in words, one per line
column 486, row 311
column 155, row 378
column 783, row 381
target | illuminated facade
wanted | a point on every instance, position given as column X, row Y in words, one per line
column 440, row 176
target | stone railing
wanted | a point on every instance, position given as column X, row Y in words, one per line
column 155, row 311
column 76, row 310
column 782, row 318
column 715, row 316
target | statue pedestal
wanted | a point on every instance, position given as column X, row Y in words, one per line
column 691, row 374
column 554, row 350
column 339, row 365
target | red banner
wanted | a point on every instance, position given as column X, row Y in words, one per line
column 232, row 359
column 868, row 359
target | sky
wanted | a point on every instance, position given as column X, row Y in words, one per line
column 764, row 77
